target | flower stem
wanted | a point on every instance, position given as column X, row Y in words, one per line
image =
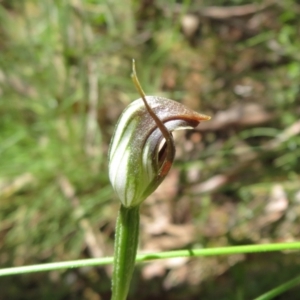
column 126, row 242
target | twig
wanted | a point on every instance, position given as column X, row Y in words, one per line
column 7, row 190
column 217, row 12
column 91, row 123
column 221, row 12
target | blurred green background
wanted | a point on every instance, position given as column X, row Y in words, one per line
column 64, row 80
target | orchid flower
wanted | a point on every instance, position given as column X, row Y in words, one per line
column 142, row 148
column 140, row 156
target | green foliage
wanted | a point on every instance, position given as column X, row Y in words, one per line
column 64, row 80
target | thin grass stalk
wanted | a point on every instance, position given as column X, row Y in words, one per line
column 280, row 289
column 152, row 256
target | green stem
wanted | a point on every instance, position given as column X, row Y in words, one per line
column 126, row 242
